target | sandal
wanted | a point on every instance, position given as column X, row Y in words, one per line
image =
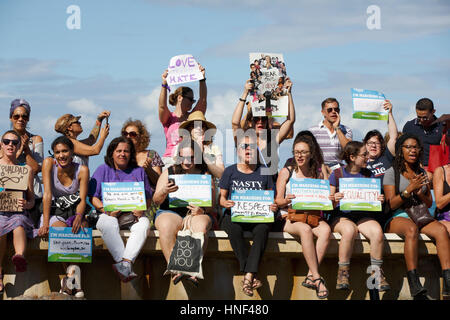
column 193, row 280
column 20, row 263
column 178, row 277
column 247, row 287
column 256, row 283
column 321, row 281
column 308, row 285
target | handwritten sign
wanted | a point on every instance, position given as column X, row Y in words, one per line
column 192, row 188
column 9, row 201
column 268, row 75
column 65, row 246
column 124, row 196
column 252, row 206
column 368, row 104
column 310, row 194
column 182, row 69
column 360, row 194
column 14, row 177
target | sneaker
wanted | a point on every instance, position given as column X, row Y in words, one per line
column 79, row 294
column 343, row 276
column 384, row 285
column 123, row 270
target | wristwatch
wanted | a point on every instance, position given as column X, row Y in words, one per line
column 405, row 194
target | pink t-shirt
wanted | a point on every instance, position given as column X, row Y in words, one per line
column 171, row 133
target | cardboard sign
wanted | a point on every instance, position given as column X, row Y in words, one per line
column 182, row 69
column 268, row 74
column 65, row 246
column 14, row 177
column 9, row 201
column 360, row 194
column 368, row 104
column 310, row 194
column 192, row 188
column 124, row 196
column 252, row 206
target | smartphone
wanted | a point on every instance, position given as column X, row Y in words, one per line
column 172, row 180
column 107, row 121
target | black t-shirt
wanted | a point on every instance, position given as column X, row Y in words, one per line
column 233, row 179
column 381, row 164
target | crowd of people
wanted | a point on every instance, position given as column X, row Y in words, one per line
column 68, row 191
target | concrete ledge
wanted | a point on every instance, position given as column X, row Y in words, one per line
column 282, row 270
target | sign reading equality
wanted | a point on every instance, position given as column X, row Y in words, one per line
column 360, row 194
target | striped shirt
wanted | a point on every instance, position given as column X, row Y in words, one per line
column 329, row 142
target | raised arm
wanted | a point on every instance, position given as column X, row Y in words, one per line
column 93, row 136
column 83, row 149
column 288, row 124
column 201, row 104
column 392, row 127
column 343, row 140
column 238, row 110
column 163, row 110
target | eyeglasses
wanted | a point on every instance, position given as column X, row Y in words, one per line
column 373, row 143
column 190, row 99
column 131, row 134
column 23, row 116
column 6, row 142
column 410, row 147
column 301, row 153
column 333, row 109
column 244, row 146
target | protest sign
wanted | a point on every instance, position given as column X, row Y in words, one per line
column 14, row 177
column 124, row 196
column 268, row 75
column 252, row 206
column 360, row 194
column 310, row 194
column 192, row 188
column 183, row 69
column 65, row 246
column 9, row 201
column 368, row 104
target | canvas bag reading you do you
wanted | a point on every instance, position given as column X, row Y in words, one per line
column 187, row 254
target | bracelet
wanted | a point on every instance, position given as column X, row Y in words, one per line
column 166, row 86
column 243, row 100
column 79, row 214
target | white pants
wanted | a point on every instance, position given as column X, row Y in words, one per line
column 109, row 227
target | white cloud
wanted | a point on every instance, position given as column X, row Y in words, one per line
column 84, row 106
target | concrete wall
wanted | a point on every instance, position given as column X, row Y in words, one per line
column 282, row 270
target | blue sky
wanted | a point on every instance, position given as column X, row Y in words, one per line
column 115, row 60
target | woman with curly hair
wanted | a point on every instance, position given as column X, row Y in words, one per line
column 150, row 160
column 406, row 184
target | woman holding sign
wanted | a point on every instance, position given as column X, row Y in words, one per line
column 15, row 217
column 121, row 167
column 183, row 100
column 169, row 220
column 407, row 190
column 349, row 223
column 306, row 166
column 65, row 192
column 241, row 178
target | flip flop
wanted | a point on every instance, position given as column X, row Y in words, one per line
column 20, row 263
column 193, row 281
column 178, row 278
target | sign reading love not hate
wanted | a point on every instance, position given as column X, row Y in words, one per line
column 183, row 68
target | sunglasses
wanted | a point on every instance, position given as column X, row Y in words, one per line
column 6, row 142
column 190, row 99
column 131, row 134
column 256, row 119
column 333, row 109
column 423, row 118
column 244, row 146
column 23, row 116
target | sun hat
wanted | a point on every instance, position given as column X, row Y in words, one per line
column 197, row 116
column 64, row 122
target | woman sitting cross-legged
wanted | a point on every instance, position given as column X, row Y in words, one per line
column 168, row 221
column 120, row 166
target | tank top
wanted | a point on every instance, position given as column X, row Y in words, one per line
column 445, row 191
column 58, row 189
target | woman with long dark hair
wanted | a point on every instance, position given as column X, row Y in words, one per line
column 406, row 185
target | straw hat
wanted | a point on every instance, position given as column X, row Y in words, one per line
column 197, row 116
column 64, row 122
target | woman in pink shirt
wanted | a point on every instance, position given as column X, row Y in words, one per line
column 183, row 99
